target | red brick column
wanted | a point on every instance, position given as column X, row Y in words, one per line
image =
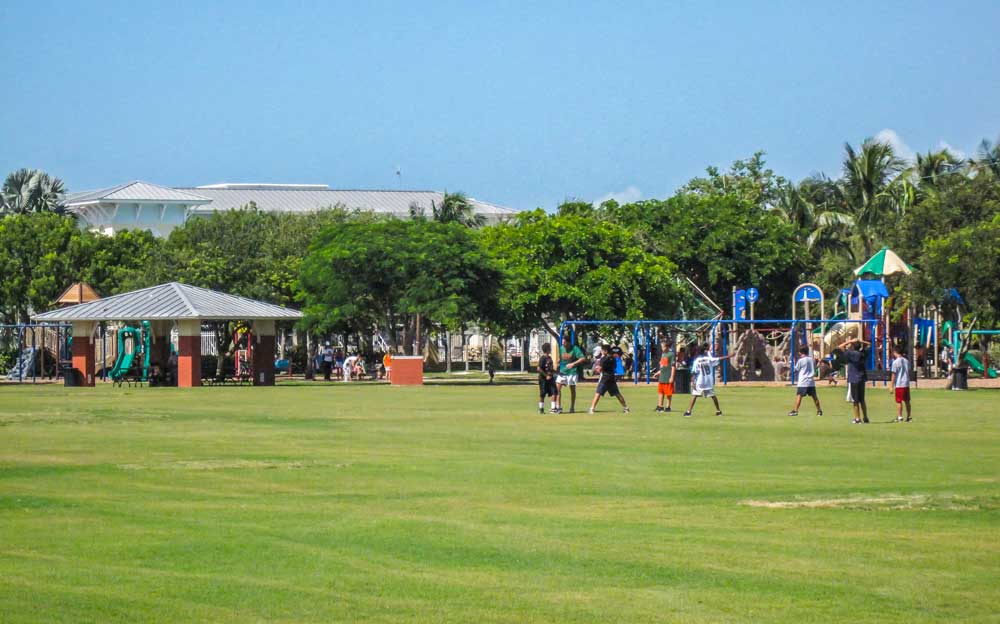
column 83, row 352
column 263, row 353
column 407, row 370
column 189, row 354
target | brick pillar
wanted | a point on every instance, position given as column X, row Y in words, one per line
column 83, row 352
column 407, row 370
column 189, row 354
column 263, row 353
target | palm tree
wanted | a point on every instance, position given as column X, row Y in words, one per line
column 32, row 190
column 456, row 208
column 872, row 189
column 804, row 206
column 987, row 160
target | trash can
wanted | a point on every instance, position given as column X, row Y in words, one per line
column 682, row 381
column 71, row 376
column 960, row 378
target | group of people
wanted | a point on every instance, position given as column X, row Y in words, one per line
column 555, row 375
column 334, row 364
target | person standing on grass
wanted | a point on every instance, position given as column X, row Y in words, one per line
column 571, row 361
column 857, row 377
column 387, row 365
column 608, row 383
column 805, row 381
column 327, row 361
column 703, row 370
column 665, row 388
column 546, row 379
column 901, row 383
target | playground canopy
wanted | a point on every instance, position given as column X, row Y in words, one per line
column 884, row 262
column 79, row 292
column 166, row 305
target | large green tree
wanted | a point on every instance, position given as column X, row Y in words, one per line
column 382, row 273
column 573, row 266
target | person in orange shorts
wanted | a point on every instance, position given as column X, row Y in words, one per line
column 387, row 365
column 665, row 389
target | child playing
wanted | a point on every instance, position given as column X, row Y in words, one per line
column 546, row 380
column 665, row 389
column 901, row 383
column 805, row 371
column 571, row 361
column 608, row 383
column 704, row 383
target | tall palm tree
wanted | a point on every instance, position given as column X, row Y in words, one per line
column 32, row 190
column 872, row 190
column 987, row 159
column 804, row 205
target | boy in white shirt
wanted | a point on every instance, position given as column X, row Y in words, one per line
column 805, row 384
column 703, row 370
column 901, row 383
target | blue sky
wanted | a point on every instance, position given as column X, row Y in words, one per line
column 523, row 104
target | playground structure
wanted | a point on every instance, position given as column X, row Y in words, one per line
column 134, row 354
column 38, row 350
column 754, row 359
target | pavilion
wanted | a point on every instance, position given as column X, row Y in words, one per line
column 168, row 306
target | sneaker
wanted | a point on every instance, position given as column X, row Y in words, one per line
column 687, row 414
column 866, row 421
column 666, row 409
column 658, row 409
column 819, row 413
column 571, row 411
column 793, row 413
column 541, row 410
column 590, row 411
column 856, row 421
column 624, row 410
column 899, row 419
column 909, row 419
column 718, row 413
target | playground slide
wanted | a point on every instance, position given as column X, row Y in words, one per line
column 977, row 366
column 123, row 365
column 23, row 365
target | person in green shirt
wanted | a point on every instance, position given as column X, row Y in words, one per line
column 571, row 363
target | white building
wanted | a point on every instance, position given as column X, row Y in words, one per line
column 144, row 206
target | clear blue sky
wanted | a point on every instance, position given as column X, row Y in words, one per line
column 523, row 104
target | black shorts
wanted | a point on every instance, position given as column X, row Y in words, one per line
column 546, row 387
column 809, row 391
column 608, row 385
column 858, row 391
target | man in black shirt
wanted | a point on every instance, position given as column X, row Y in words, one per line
column 857, row 377
column 608, row 383
column 546, row 378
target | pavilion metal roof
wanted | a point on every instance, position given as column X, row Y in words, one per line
column 171, row 301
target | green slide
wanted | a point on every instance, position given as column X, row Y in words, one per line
column 977, row 366
column 123, row 365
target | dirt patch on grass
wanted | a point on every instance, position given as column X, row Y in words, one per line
column 915, row 502
column 231, row 464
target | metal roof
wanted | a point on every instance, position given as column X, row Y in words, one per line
column 171, row 301
column 135, row 191
column 310, row 199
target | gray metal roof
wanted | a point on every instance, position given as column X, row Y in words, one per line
column 309, row 200
column 171, row 301
column 135, row 191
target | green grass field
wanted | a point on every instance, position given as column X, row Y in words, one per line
column 461, row 504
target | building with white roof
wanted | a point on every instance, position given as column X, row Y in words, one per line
column 144, row 206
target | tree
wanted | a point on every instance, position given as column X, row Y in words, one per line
column 872, row 192
column 987, row 159
column 117, row 264
column 368, row 273
column 566, row 266
column 31, row 190
column 40, row 255
column 454, row 208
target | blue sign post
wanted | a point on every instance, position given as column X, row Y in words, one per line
column 752, row 295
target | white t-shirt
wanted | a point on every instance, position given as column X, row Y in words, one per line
column 349, row 362
column 805, row 372
column 704, row 371
column 901, row 367
column 328, row 354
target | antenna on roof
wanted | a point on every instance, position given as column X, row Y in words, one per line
column 399, row 176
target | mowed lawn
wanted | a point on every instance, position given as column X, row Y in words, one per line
column 320, row 503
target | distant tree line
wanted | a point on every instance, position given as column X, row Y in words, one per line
column 445, row 269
